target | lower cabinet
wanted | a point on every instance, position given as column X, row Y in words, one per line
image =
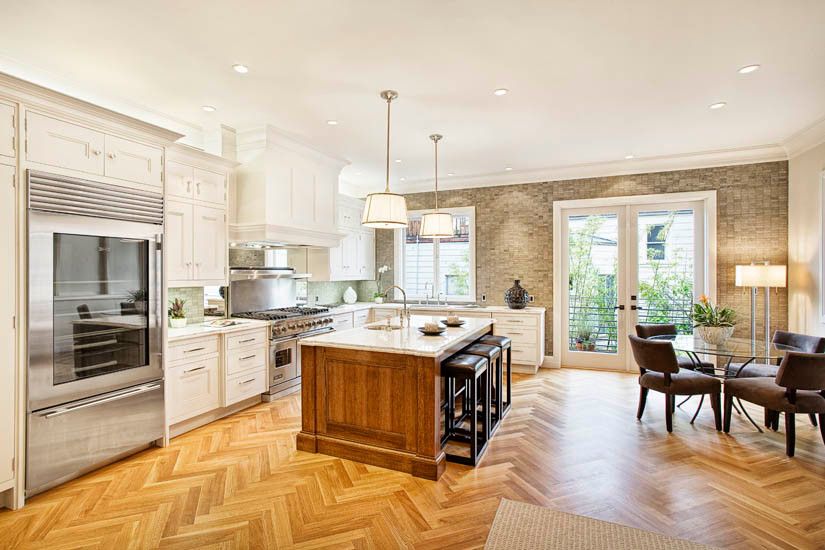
column 360, row 317
column 342, row 321
column 206, row 374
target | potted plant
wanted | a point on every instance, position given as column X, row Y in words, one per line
column 583, row 342
column 714, row 324
column 177, row 315
column 139, row 298
column 378, row 296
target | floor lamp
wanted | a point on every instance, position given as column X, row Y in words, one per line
column 765, row 276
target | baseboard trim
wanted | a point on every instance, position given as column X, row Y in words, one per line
column 550, row 362
column 208, row 417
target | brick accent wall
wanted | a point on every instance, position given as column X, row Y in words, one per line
column 514, row 229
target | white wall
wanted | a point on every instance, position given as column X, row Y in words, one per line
column 804, row 240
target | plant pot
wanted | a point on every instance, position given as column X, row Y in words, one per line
column 177, row 323
column 590, row 347
column 715, row 335
column 379, row 300
column 580, row 346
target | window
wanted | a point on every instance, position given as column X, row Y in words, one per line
column 429, row 267
column 656, row 237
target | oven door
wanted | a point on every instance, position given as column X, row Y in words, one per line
column 283, row 360
column 94, row 306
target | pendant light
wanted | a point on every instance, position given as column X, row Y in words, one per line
column 386, row 210
column 436, row 225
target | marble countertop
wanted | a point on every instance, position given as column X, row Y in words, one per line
column 407, row 340
column 493, row 309
column 207, row 328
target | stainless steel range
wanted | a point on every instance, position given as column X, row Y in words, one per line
column 268, row 294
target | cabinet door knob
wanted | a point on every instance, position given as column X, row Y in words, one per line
column 96, row 152
column 198, row 187
column 188, row 186
column 112, row 156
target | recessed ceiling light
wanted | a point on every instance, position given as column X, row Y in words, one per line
column 749, row 69
column 718, row 105
column 450, row 174
column 332, row 122
column 209, row 108
column 397, row 160
column 403, row 179
column 501, row 91
column 508, row 168
column 628, row 157
column 358, row 173
column 240, row 69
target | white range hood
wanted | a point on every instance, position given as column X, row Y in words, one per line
column 285, row 191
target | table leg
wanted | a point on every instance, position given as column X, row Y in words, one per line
column 701, row 400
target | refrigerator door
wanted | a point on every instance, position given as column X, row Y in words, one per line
column 67, row 441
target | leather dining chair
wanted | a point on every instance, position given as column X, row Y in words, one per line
column 659, row 371
column 802, row 342
column 799, row 388
column 651, row 330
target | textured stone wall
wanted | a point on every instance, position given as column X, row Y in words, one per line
column 514, row 228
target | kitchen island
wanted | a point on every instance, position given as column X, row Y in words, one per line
column 375, row 396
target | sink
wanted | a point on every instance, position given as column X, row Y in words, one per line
column 446, row 306
column 383, row 327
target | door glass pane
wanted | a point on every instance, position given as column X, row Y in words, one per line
column 419, row 261
column 593, row 253
column 100, row 305
column 666, row 254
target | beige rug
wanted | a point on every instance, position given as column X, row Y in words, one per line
column 519, row 525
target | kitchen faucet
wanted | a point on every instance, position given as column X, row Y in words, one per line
column 428, row 294
column 405, row 313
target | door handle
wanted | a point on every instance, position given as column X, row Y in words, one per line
column 634, row 308
column 137, row 391
column 621, row 307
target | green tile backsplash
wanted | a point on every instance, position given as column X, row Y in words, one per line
column 193, row 298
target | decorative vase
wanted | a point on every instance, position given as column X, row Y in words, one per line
column 715, row 336
column 379, row 299
column 177, row 323
column 350, row 297
column 516, row 297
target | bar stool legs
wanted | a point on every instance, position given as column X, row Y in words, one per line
column 473, row 372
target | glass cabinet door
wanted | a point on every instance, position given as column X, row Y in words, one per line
column 100, row 305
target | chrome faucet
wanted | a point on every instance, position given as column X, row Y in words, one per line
column 405, row 313
column 428, row 294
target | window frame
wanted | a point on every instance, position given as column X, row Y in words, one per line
column 398, row 255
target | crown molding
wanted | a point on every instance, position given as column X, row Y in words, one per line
column 645, row 165
column 183, row 152
column 806, row 138
column 259, row 138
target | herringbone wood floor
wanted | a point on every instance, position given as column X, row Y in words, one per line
column 571, row 443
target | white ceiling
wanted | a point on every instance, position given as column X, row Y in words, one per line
column 590, row 80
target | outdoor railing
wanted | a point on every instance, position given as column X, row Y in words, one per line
column 603, row 324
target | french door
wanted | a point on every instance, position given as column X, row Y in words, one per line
column 625, row 264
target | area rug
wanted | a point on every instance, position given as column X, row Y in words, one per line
column 519, row 525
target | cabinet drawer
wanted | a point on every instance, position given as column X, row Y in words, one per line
column 525, row 337
column 245, row 385
column 59, row 143
column 189, row 349
column 246, row 339
column 516, row 320
column 132, row 161
column 210, row 186
column 342, row 321
column 524, row 354
column 361, row 318
column 245, row 358
column 194, row 388
column 180, row 180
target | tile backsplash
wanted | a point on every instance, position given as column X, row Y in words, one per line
column 193, row 298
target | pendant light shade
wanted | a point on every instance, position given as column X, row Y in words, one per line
column 436, row 225
column 385, row 210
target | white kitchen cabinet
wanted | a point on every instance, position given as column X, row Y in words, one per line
column 383, row 313
column 245, row 385
column 8, row 130
column 194, row 388
column 365, row 255
column 210, row 187
column 349, row 215
column 179, row 230
column 209, row 243
column 196, row 189
column 360, row 317
column 342, row 321
column 58, row 143
column 354, row 257
column 133, row 162
column 180, row 180
column 7, row 331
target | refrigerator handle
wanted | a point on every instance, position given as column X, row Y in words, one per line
column 64, row 410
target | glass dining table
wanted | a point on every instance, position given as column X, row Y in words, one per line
column 744, row 350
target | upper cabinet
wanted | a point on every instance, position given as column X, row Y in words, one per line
column 285, row 191
column 353, row 259
column 196, row 193
column 8, row 130
column 57, row 143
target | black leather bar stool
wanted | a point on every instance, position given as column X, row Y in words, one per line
column 472, row 370
column 494, row 359
column 506, row 345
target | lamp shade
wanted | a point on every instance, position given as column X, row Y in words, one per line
column 437, row 225
column 761, row 275
column 385, row 211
